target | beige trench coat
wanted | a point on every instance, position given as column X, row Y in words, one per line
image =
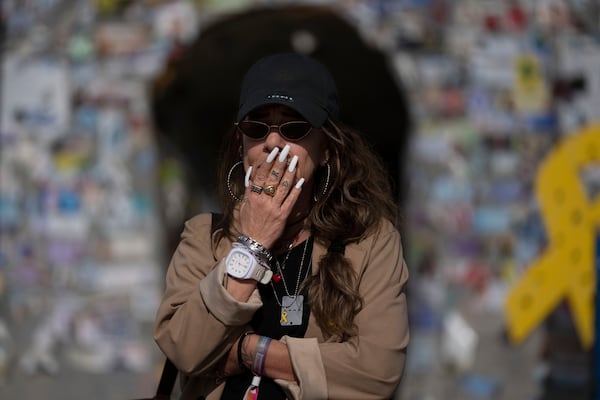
column 198, row 321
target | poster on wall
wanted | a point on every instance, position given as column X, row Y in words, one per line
column 35, row 97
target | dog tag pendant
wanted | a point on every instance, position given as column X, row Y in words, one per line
column 291, row 310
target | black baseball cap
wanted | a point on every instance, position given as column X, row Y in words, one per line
column 295, row 80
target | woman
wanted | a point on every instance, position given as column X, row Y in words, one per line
column 298, row 291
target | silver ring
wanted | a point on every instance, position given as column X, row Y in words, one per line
column 270, row 190
column 256, row 189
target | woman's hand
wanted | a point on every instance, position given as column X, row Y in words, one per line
column 230, row 366
column 271, row 192
column 277, row 362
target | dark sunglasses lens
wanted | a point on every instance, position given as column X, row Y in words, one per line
column 295, row 130
column 253, row 129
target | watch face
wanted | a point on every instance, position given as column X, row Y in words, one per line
column 238, row 264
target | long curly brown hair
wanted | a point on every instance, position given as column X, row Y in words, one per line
column 358, row 195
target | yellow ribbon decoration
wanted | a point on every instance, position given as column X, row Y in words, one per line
column 283, row 317
column 566, row 268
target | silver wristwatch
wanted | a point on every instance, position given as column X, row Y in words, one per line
column 242, row 264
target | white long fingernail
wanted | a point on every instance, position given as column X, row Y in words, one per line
column 300, row 183
column 272, row 155
column 247, row 179
column 284, row 153
column 293, row 163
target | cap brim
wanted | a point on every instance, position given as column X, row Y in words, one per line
column 314, row 114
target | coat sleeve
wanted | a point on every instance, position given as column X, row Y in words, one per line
column 370, row 365
column 197, row 320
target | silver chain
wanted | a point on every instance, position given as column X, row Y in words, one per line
column 280, row 271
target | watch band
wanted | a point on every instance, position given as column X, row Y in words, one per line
column 261, row 274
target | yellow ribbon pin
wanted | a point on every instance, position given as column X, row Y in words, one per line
column 283, row 317
column 566, row 268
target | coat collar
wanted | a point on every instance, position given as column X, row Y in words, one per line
column 356, row 254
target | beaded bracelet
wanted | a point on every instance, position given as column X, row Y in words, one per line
column 261, row 354
column 239, row 349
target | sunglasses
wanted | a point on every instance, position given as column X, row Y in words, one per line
column 292, row 131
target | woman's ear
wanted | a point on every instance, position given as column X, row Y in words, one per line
column 325, row 158
column 238, row 139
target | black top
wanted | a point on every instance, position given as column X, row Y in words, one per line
column 266, row 320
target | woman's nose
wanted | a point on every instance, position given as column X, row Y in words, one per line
column 274, row 138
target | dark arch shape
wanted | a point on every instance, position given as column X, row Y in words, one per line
column 199, row 103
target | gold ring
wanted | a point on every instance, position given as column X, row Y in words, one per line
column 270, row 190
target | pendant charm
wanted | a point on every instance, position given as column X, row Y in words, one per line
column 291, row 310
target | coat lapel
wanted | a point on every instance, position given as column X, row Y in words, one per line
column 357, row 257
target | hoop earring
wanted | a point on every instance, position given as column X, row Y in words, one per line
column 229, row 180
column 326, row 185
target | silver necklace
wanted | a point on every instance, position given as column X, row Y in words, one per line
column 291, row 305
